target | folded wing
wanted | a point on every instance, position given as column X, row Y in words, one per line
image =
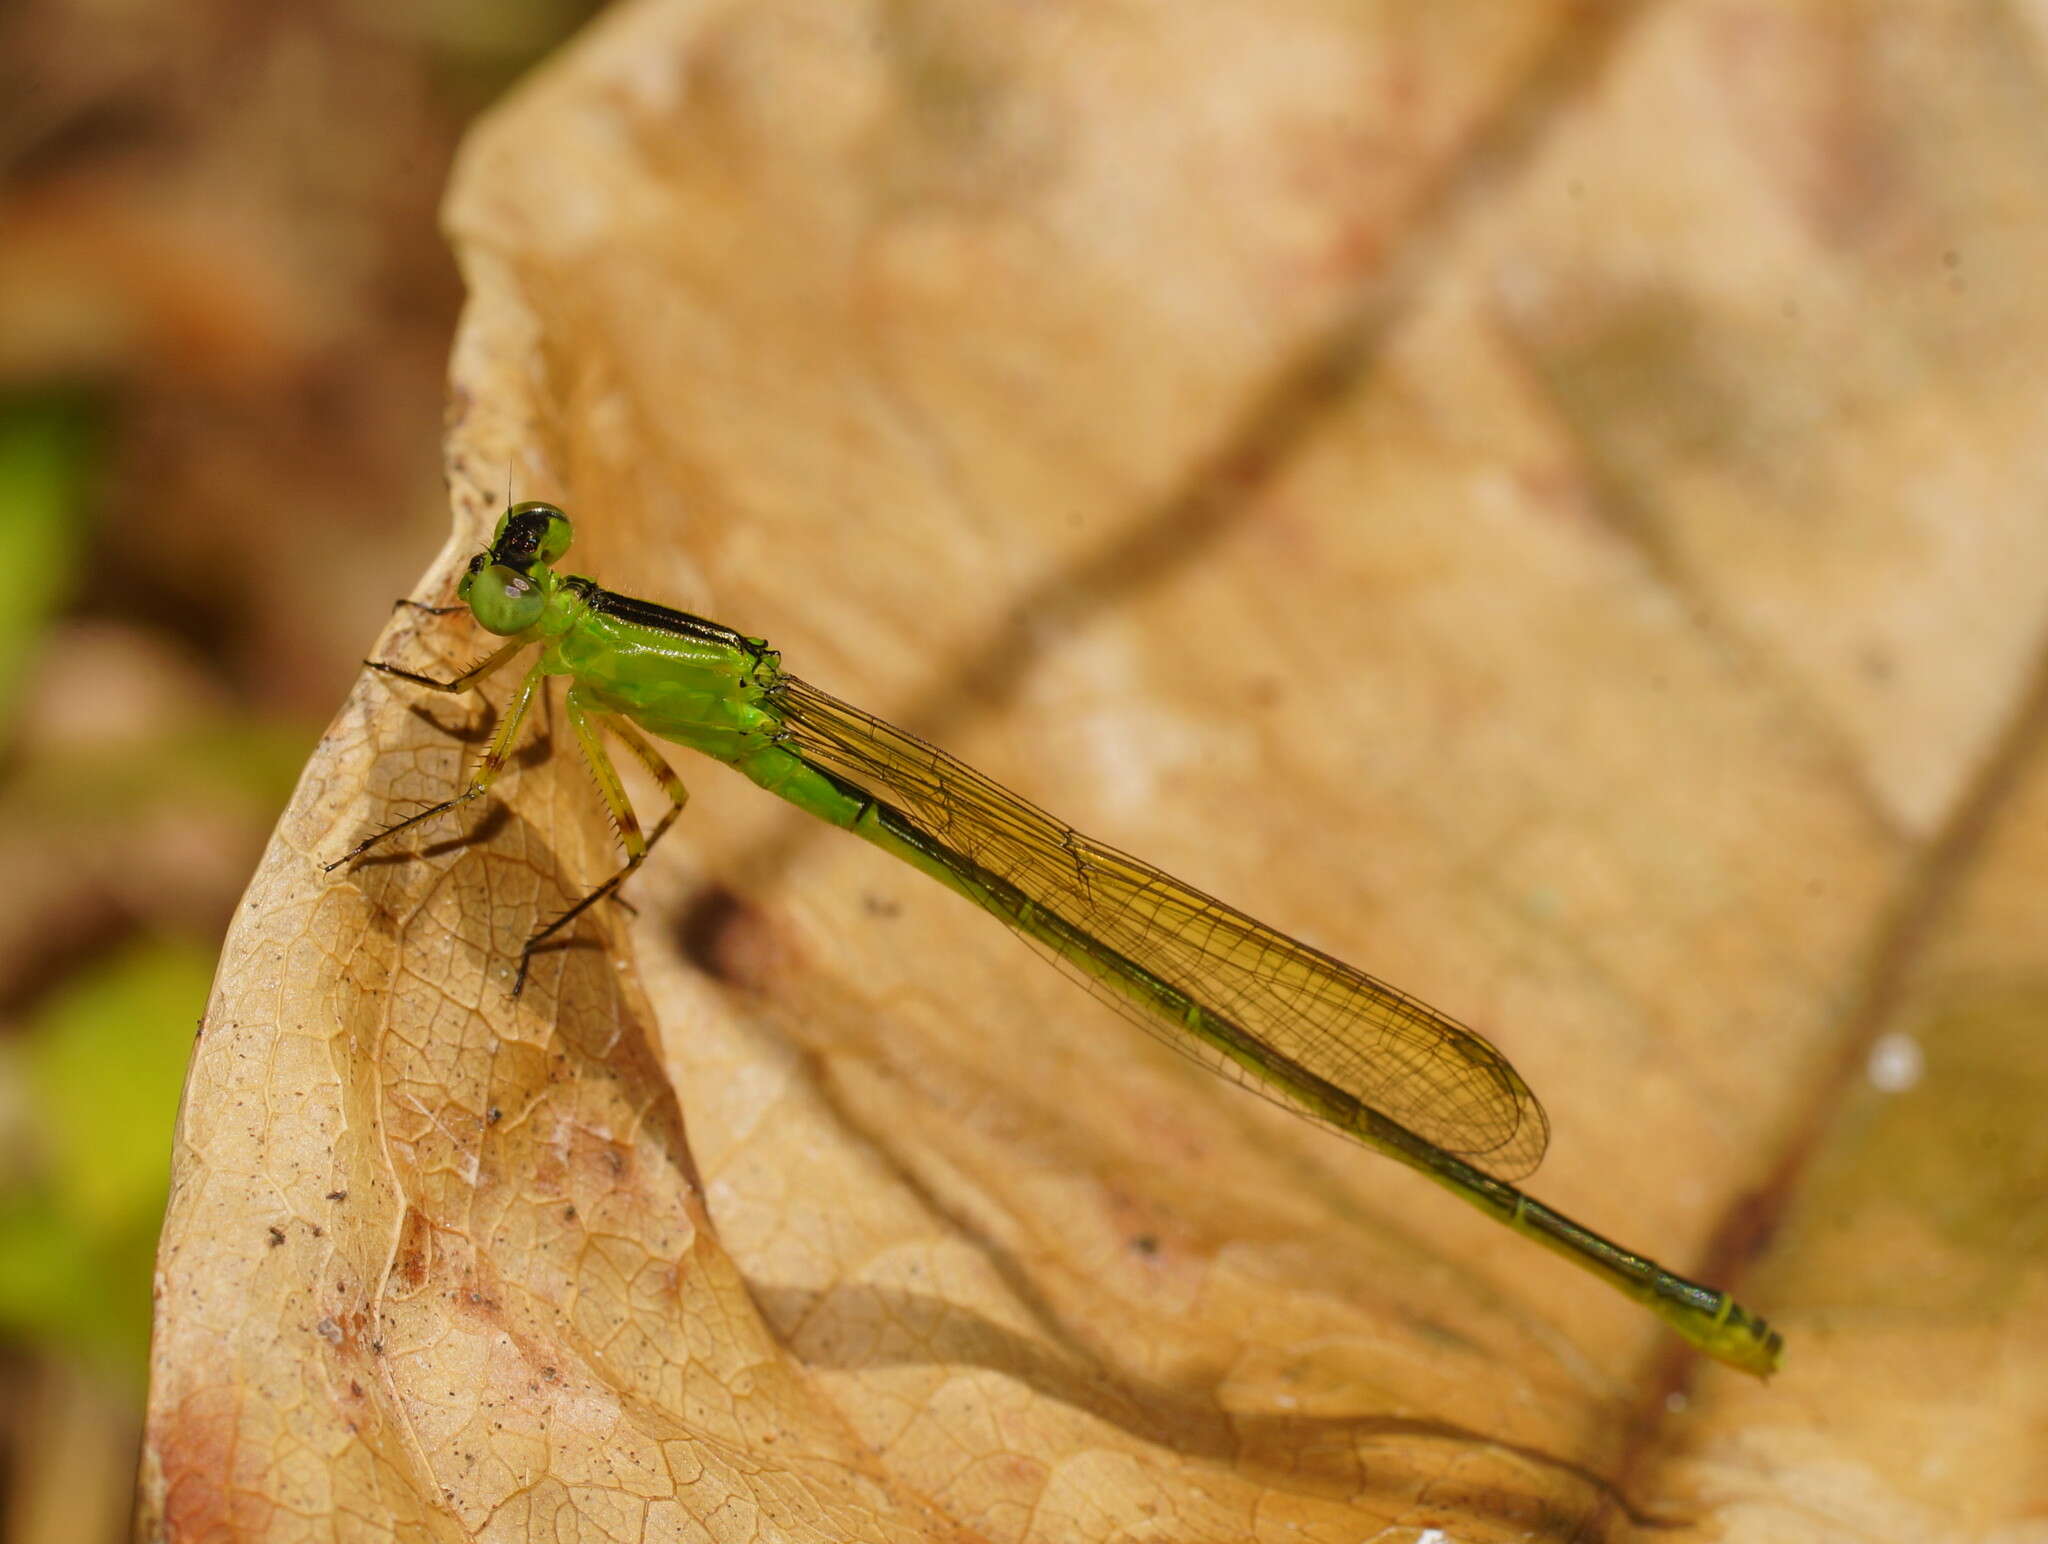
column 1407, row 1061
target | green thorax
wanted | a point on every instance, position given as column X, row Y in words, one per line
column 678, row 676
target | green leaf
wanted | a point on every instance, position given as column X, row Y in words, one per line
column 103, row 1061
column 47, row 449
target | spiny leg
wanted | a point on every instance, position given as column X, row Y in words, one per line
column 587, row 723
column 432, row 611
column 488, row 765
column 463, row 682
column 662, row 773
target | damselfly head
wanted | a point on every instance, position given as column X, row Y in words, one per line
column 507, row 587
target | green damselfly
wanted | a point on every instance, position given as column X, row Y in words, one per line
column 1286, row 1020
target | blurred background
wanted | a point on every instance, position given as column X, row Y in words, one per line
column 225, row 311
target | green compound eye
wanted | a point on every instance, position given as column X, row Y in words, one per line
column 504, row 601
column 532, row 532
column 555, row 540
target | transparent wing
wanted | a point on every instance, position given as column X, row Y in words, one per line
column 1403, row 1058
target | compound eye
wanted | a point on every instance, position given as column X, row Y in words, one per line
column 504, row 600
column 529, row 532
column 556, row 535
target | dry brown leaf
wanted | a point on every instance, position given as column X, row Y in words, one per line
column 1544, row 501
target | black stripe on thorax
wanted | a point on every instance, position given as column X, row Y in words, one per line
column 645, row 613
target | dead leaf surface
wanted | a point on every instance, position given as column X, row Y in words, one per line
column 1543, row 501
